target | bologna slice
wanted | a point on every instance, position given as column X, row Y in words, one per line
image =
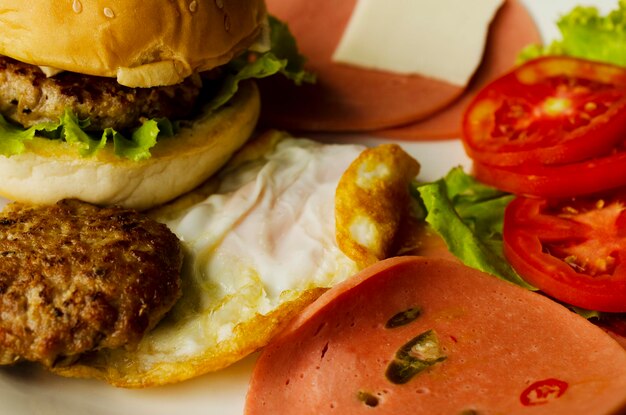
column 412, row 335
column 345, row 98
column 512, row 29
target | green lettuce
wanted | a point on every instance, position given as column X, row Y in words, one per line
column 72, row 130
column 587, row 34
column 138, row 146
column 69, row 128
column 469, row 216
column 283, row 58
column 12, row 137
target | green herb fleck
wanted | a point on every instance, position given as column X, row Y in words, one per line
column 403, row 318
column 413, row 357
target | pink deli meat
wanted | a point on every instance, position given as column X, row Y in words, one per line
column 347, row 98
column 415, row 335
column 344, row 98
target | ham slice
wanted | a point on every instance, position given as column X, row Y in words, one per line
column 345, row 98
column 416, row 335
column 511, row 30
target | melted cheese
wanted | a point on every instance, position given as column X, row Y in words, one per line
column 442, row 39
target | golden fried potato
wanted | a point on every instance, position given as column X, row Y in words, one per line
column 373, row 201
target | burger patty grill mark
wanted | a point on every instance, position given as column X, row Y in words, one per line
column 28, row 97
column 76, row 278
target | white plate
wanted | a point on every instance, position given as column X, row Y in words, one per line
column 26, row 390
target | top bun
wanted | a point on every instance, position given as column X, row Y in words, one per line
column 142, row 43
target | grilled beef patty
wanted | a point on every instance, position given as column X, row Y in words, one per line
column 28, row 97
column 75, row 277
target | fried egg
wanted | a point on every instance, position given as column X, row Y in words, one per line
column 260, row 244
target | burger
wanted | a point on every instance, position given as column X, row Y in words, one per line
column 129, row 102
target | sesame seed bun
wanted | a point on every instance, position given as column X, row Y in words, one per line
column 141, row 43
column 50, row 170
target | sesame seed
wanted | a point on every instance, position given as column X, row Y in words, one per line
column 193, row 6
column 77, row 6
column 226, row 22
column 219, row 4
column 109, row 13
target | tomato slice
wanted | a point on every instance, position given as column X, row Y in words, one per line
column 549, row 110
column 572, row 249
column 562, row 180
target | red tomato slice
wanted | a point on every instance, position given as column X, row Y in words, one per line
column 572, row 249
column 566, row 180
column 549, row 110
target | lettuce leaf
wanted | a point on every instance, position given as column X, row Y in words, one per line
column 73, row 133
column 12, row 137
column 283, row 58
column 589, row 35
column 469, row 216
column 285, row 49
column 142, row 140
column 72, row 130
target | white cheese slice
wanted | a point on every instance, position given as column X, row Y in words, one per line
column 441, row 39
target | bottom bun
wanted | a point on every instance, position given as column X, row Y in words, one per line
column 51, row 170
